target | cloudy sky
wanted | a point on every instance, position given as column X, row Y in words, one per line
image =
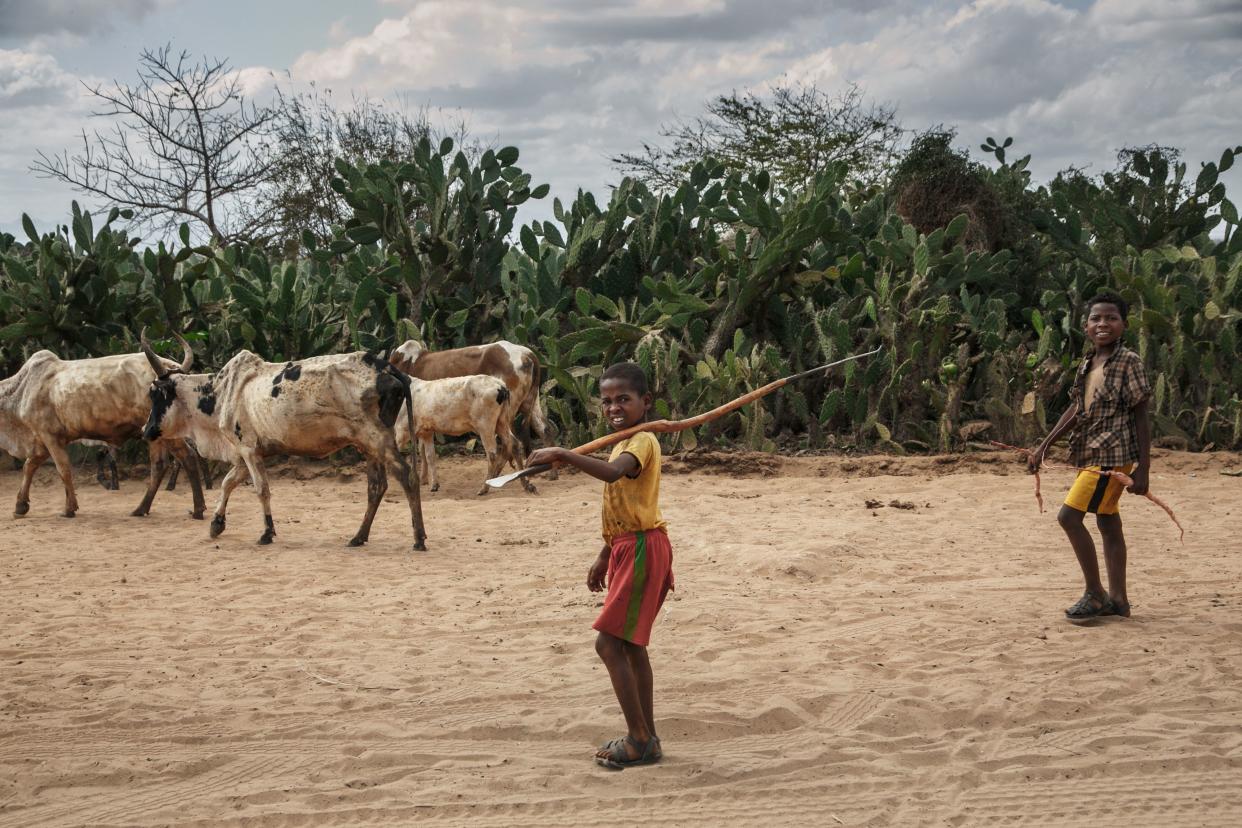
column 573, row 82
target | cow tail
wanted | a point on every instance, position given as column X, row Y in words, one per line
column 538, row 422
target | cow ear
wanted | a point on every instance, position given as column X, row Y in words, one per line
column 160, row 370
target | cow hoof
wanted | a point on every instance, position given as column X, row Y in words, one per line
column 483, row 490
column 357, row 541
column 217, row 526
column 266, row 538
column 139, row 512
column 71, row 514
column 21, row 509
column 195, row 515
column 436, row 487
column 420, row 546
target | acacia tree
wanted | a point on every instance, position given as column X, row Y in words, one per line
column 795, row 134
column 186, row 147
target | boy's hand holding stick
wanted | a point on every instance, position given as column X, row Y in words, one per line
column 1035, row 461
column 668, row 426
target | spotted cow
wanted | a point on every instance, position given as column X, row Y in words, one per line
column 252, row 409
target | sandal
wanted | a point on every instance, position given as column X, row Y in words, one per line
column 617, row 759
column 1120, row 610
column 1089, row 606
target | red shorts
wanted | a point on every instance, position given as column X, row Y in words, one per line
column 640, row 575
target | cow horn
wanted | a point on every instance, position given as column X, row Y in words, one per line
column 160, row 370
column 187, row 358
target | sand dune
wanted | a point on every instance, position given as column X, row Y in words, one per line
column 822, row 662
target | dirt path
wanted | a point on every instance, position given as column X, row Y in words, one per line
column 822, row 661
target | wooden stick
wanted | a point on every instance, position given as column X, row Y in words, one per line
column 670, row 426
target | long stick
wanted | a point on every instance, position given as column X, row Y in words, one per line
column 669, row 426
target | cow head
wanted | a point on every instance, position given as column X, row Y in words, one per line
column 404, row 357
column 163, row 391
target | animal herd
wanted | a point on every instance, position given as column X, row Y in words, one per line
column 252, row 409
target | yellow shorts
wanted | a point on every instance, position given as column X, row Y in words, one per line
column 1096, row 493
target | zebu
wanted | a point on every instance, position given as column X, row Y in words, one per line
column 252, row 409
column 51, row 402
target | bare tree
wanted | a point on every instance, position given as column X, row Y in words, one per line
column 187, row 147
column 795, row 133
column 312, row 133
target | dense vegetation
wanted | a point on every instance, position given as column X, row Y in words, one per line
column 971, row 277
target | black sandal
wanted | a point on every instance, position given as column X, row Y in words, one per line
column 1120, row 610
column 1089, row 606
column 616, row 758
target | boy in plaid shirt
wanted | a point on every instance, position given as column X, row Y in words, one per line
column 1108, row 406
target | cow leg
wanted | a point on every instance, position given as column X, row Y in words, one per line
column 61, row 458
column 377, row 484
column 427, row 446
column 236, row 476
column 32, row 464
column 101, row 476
column 159, row 467
column 518, row 448
column 258, row 473
column 204, row 468
column 172, row 478
column 187, row 458
column 495, row 449
column 407, row 476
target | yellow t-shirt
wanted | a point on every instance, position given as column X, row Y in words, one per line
column 631, row 504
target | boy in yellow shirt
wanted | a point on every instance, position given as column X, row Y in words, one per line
column 635, row 563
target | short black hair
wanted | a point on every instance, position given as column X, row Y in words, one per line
column 629, row 373
column 1123, row 307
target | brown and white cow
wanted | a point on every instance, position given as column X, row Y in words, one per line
column 516, row 365
column 476, row 404
column 252, row 409
column 51, row 402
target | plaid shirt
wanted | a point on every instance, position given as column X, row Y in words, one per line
column 1107, row 433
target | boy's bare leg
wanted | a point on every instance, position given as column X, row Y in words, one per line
column 614, row 653
column 1114, row 558
column 640, row 665
column 1084, row 549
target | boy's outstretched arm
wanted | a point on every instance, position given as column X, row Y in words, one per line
column 1036, row 457
column 1142, row 427
column 609, row 472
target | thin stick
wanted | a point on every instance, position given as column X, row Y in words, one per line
column 670, row 426
column 1121, row 476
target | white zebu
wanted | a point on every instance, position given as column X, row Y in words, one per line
column 253, row 409
column 460, row 405
column 516, row 365
column 51, row 402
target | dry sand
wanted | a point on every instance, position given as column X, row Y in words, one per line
column 821, row 663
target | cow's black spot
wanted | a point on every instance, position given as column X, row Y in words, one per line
column 207, row 399
column 237, row 429
column 293, row 371
column 163, row 392
column 502, row 394
column 392, row 394
column 275, row 390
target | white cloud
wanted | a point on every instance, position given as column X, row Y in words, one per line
column 32, row 78
column 1071, row 87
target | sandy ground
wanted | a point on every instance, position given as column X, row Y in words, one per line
column 822, row 662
